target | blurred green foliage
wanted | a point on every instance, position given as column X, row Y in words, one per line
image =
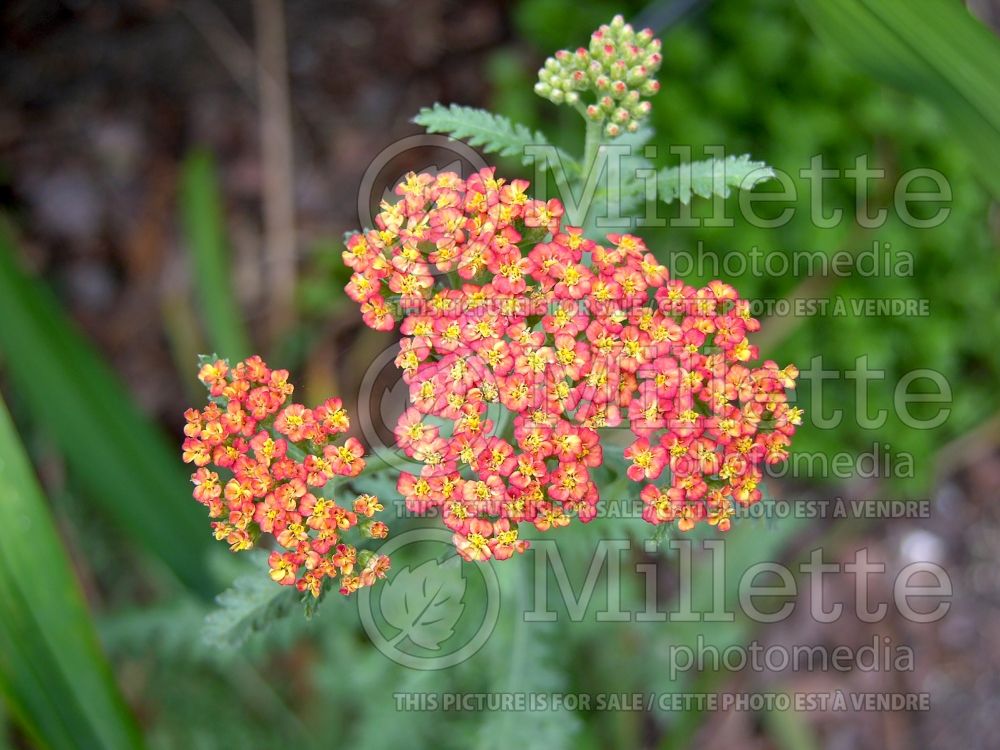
column 942, row 53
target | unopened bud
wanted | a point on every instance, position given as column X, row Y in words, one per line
column 637, row 76
column 650, row 87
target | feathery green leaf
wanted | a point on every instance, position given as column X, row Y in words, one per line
column 250, row 605
column 494, row 134
column 711, row 177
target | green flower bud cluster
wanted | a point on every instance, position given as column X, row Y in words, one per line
column 618, row 68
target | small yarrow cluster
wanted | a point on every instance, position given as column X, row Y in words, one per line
column 618, row 68
column 523, row 340
column 269, row 467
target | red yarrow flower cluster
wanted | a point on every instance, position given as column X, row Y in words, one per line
column 266, row 466
column 524, row 342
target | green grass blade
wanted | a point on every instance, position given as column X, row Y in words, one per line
column 52, row 672
column 121, row 460
column 205, row 236
column 936, row 50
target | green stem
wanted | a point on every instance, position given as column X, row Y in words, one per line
column 375, row 463
column 591, row 144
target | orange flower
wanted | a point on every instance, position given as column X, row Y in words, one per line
column 266, row 490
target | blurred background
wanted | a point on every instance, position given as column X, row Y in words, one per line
column 175, row 178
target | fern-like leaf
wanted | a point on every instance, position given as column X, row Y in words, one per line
column 250, row 605
column 492, row 133
column 711, row 177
